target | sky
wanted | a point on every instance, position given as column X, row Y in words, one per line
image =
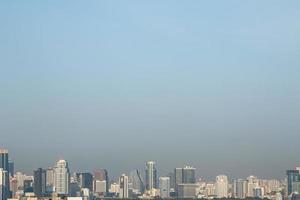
column 112, row 84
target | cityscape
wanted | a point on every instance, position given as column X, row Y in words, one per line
column 59, row 182
column 157, row 99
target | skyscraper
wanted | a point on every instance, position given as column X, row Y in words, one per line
column 188, row 175
column 184, row 175
column 123, row 182
column 222, row 186
column 101, row 175
column 39, row 186
column 151, row 175
column 4, row 184
column 49, row 180
column 164, row 187
column 5, row 166
column 238, row 188
column 86, row 180
column 293, row 177
column 11, row 167
column 61, row 177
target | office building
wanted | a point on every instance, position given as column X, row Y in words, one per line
column 123, row 183
column 164, row 187
column 86, row 181
column 186, row 190
column 151, row 175
column 221, row 186
column 4, row 184
column 293, row 178
column 238, row 188
column 39, row 186
column 4, row 165
column 102, row 175
column 61, row 176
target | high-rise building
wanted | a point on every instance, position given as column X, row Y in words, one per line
column 4, row 164
column 151, row 175
column 184, row 175
column 49, row 180
column 11, row 168
column 186, row 190
column 4, row 184
column 252, row 182
column 222, row 186
column 123, row 182
column 164, row 187
column 293, row 178
column 188, row 175
column 101, row 175
column 100, row 187
column 39, row 186
column 61, row 177
column 86, row 180
column 238, row 189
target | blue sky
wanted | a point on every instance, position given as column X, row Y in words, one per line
column 213, row 84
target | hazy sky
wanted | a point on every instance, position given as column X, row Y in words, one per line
column 112, row 84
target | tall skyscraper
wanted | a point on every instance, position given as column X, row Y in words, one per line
column 4, row 184
column 4, row 164
column 252, row 182
column 222, row 186
column 39, row 186
column 238, row 188
column 49, row 180
column 86, row 180
column 184, row 175
column 11, row 167
column 123, row 182
column 151, row 175
column 293, row 178
column 61, row 177
column 164, row 187
column 188, row 175
column 101, row 175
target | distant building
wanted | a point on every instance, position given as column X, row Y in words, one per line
column 151, row 175
column 101, row 175
column 4, row 184
column 86, row 180
column 39, row 186
column 100, row 187
column 252, row 182
column 293, row 178
column 49, row 180
column 61, row 177
column 222, row 186
column 123, row 182
column 238, row 188
column 4, row 165
column 164, row 187
column 186, row 190
column 184, row 175
column 11, row 167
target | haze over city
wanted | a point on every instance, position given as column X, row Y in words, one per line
column 107, row 84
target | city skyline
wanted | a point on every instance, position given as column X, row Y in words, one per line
column 142, row 168
column 111, row 85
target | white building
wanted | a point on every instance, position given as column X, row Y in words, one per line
column 123, row 182
column 61, row 177
column 151, row 176
column 221, row 186
column 164, row 187
column 100, row 187
column 4, row 184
